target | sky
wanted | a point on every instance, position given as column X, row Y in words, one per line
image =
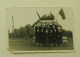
column 27, row 15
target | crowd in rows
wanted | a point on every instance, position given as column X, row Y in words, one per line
column 48, row 35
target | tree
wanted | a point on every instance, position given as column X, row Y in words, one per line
column 29, row 31
column 23, row 32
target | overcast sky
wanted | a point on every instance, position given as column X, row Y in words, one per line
column 27, row 15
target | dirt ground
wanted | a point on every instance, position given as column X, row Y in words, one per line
column 21, row 44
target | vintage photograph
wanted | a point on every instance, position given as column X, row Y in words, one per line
column 40, row 29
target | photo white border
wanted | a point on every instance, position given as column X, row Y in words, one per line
column 51, row 51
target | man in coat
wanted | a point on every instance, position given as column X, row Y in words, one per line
column 59, row 36
column 54, row 35
column 37, row 35
column 50, row 38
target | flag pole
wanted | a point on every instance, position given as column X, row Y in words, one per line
column 12, row 24
column 38, row 14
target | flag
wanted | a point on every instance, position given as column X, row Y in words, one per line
column 61, row 12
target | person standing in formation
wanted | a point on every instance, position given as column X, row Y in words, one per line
column 54, row 35
column 43, row 38
column 51, row 38
column 37, row 35
column 48, row 35
column 40, row 38
column 59, row 36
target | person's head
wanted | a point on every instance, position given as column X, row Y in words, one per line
column 50, row 31
column 42, row 26
column 38, row 24
column 45, row 23
column 46, row 30
column 42, row 30
column 53, row 26
column 35, row 25
column 58, row 27
column 54, row 30
column 37, row 30
column 50, row 24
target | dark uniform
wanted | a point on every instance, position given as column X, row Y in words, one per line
column 37, row 34
column 56, row 27
column 43, row 39
column 59, row 38
column 51, row 37
column 40, row 35
column 50, row 27
column 54, row 36
column 46, row 34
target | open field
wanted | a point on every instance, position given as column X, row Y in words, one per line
column 21, row 44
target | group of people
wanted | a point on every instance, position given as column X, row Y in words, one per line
column 48, row 35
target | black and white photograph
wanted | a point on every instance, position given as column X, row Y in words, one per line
column 40, row 29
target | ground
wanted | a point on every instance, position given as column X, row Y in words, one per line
column 21, row 44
